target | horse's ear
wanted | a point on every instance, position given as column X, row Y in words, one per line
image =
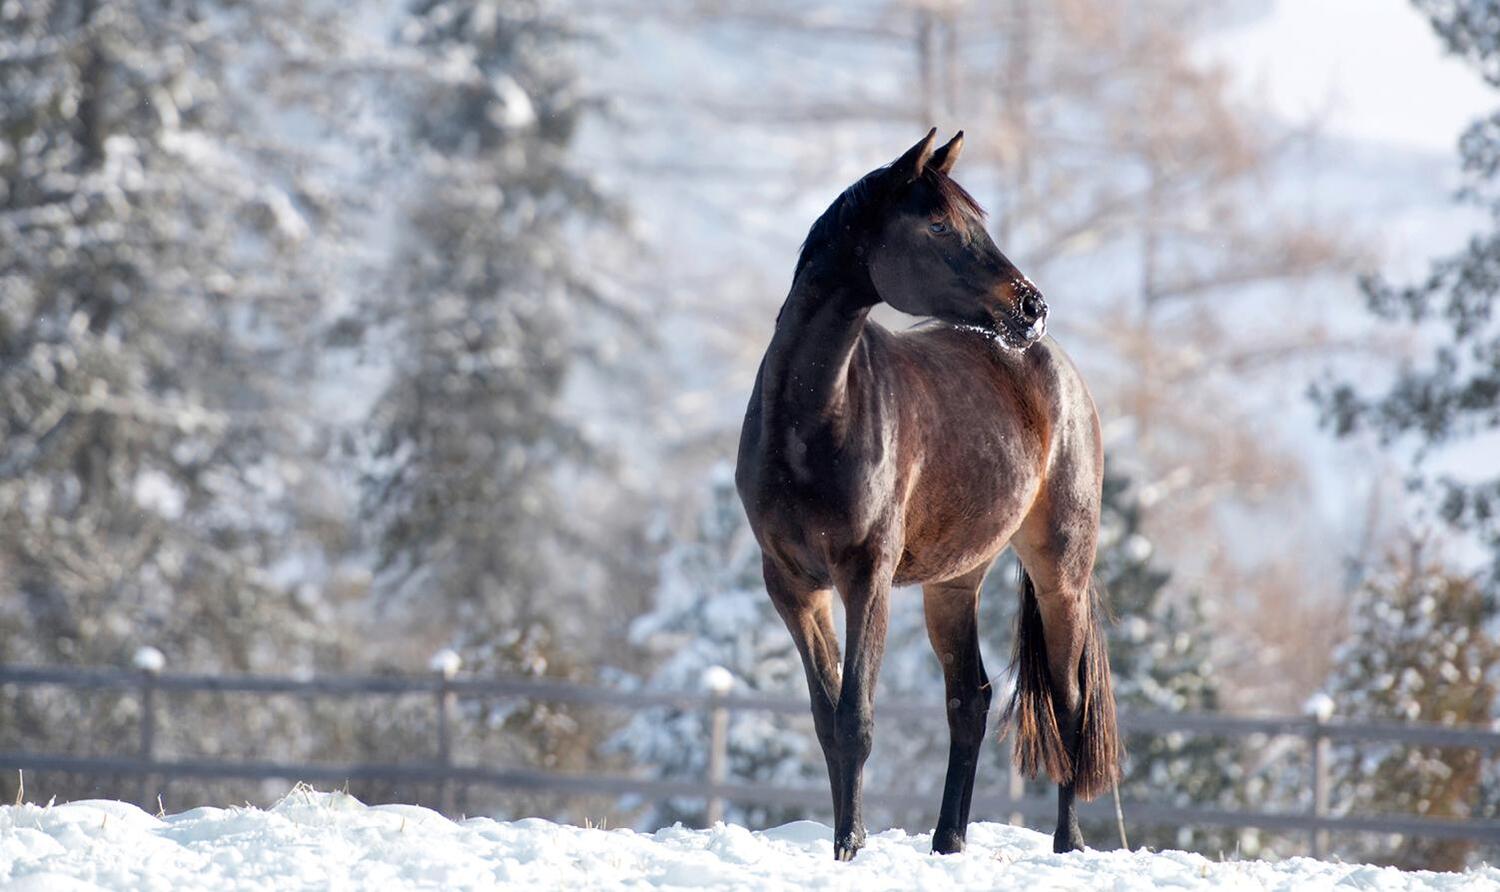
column 944, row 159
column 910, row 165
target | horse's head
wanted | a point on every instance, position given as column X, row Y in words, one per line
column 922, row 239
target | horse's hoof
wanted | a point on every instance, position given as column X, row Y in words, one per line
column 1067, row 842
column 947, row 842
column 846, row 848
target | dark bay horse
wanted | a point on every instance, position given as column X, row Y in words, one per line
column 870, row 459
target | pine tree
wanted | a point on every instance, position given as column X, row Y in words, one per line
column 139, row 290
column 711, row 611
column 1419, row 648
column 1165, row 657
column 1451, row 396
column 155, row 285
column 478, row 465
column 1416, row 651
column 482, row 486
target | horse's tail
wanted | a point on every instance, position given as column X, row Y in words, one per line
column 1039, row 740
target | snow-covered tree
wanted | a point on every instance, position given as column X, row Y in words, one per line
column 479, row 469
column 711, row 611
column 157, row 282
column 1421, row 643
column 1417, row 650
column 489, row 500
column 1450, row 395
column 1166, row 656
column 147, row 276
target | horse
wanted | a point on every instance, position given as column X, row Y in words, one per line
column 870, row 459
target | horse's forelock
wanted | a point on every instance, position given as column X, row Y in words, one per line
column 956, row 200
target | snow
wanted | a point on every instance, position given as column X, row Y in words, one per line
column 149, row 659
column 718, row 680
column 331, row 840
column 446, row 662
column 155, row 491
column 1319, row 705
column 515, row 110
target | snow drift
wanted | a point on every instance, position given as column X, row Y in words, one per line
column 312, row 840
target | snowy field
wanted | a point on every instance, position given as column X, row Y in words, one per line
column 313, row 840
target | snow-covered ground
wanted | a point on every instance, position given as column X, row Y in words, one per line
column 318, row 840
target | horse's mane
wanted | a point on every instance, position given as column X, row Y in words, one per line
column 859, row 199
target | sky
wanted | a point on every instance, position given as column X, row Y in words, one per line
column 1388, row 80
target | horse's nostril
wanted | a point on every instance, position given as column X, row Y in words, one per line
column 1032, row 305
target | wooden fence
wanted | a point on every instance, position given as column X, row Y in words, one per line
column 445, row 687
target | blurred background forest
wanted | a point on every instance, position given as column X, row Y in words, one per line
column 334, row 335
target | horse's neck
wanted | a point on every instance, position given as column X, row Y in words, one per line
column 806, row 375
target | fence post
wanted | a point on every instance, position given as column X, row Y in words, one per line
column 1015, row 786
column 149, row 662
column 719, row 682
column 1319, row 710
column 446, row 664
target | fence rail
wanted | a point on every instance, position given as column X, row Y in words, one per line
column 445, row 687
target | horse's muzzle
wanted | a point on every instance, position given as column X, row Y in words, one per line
column 1024, row 321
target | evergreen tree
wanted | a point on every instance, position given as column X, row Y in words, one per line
column 1452, row 395
column 1166, row 658
column 480, row 471
column 156, row 282
column 1416, row 651
column 1419, row 648
column 711, row 611
column 489, row 501
column 140, row 459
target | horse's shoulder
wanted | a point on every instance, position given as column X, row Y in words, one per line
column 1075, row 418
column 1052, row 364
column 1048, row 359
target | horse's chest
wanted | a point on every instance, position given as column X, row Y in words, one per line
column 811, row 506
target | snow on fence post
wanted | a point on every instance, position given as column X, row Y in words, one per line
column 1319, row 709
column 149, row 662
column 719, row 681
column 446, row 664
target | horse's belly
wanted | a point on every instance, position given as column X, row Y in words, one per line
column 937, row 564
column 961, row 533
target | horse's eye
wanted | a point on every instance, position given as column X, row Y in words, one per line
column 938, row 228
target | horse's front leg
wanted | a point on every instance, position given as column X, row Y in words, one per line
column 866, row 590
column 807, row 611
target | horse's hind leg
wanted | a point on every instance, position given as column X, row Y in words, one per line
column 1062, row 650
column 952, row 612
column 1064, row 700
column 808, row 613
